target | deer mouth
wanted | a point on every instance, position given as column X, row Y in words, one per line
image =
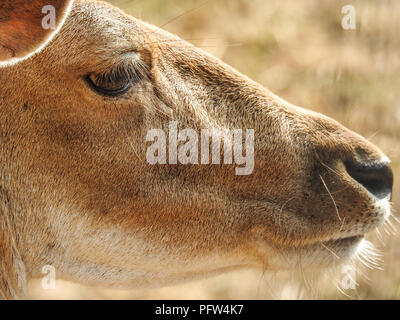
column 345, row 241
column 376, row 218
column 344, row 249
column 321, row 254
column 346, row 245
column 353, row 239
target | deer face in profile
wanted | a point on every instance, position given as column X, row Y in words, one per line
column 77, row 191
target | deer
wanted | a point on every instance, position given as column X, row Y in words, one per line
column 76, row 190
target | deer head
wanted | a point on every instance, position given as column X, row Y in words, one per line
column 77, row 190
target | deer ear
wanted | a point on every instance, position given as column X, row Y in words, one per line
column 26, row 26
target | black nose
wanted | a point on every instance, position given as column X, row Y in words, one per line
column 377, row 178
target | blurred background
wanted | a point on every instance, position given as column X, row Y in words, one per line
column 298, row 50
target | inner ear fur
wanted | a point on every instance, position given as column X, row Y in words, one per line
column 21, row 30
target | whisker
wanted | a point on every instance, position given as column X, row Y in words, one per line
column 179, row 16
column 264, row 268
column 395, row 219
column 214, row 46
column 333, row 200
column 182, row 40
column 374, row 134
column 380, row 238
column 280, row 212
column 326, row 166
column 341, row 227
column 389, row 228
column 370, row 256
column 337, row 285
column 330, row 250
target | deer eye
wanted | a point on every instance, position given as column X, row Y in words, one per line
column 109, row 85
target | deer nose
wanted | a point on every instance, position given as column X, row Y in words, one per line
column 376, row 178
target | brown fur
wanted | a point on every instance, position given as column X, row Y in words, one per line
column 77, row 192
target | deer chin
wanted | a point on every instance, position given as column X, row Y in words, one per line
column 321, row 254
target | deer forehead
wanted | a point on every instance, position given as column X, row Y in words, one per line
column 95, row 37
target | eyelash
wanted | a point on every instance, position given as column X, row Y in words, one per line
column 132, row 74
column 108, row 92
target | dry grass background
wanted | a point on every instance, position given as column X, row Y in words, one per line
column 299, row 50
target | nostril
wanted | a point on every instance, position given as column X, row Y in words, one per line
column 377, row 178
